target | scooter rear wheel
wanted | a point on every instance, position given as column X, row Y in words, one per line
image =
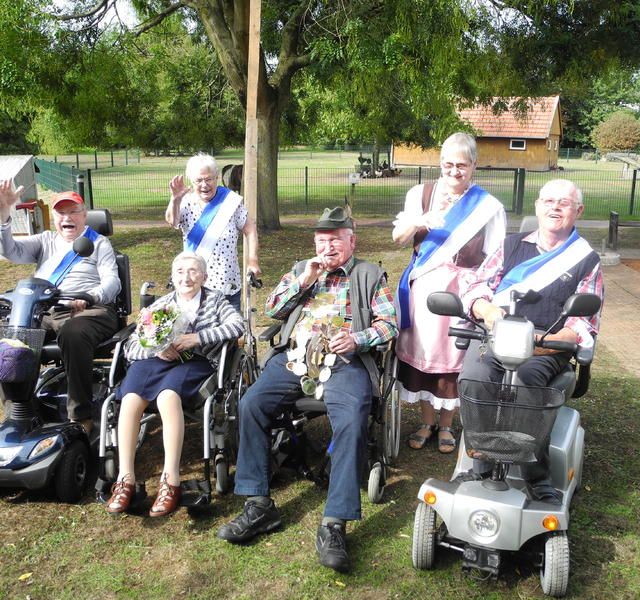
column 71, row 474
column 554, row 574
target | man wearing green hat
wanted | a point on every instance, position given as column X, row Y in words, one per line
column 336, row 309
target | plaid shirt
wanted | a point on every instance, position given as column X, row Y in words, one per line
column 383, row 325
column 490, row 273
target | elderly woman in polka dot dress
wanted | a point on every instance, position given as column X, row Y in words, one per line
column 210, row 218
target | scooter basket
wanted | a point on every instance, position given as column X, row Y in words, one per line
column 20, row 362
column 510, row 424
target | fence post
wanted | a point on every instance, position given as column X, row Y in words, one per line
column 138, row 155
column 95, row 158
column 633, row 192
column 419, row 175
column 80, row 186
column 613, row 230
column 126, row 157
column 90, row 188
column 306, row 190
column 112, row 158
column 519, row 189
column 77, row 161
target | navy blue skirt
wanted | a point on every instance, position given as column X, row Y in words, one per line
column 150, row 376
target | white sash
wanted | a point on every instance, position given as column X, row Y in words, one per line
column 548, row 273
column 483, row 212
column 218, row 225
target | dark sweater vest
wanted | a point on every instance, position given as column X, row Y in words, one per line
column 548, row 308
column 363, row 280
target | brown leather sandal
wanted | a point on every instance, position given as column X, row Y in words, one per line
column 122, row 493
column 167, row 500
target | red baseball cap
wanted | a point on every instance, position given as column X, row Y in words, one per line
column 67, row 197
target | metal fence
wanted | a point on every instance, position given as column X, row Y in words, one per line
column 59, row 177
column 142, row 192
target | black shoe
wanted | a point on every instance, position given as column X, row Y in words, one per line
column 543, row 491
column 469, row 475
column 255, row 519
column 331, row 544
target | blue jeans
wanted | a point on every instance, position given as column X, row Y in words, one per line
column 347, row 395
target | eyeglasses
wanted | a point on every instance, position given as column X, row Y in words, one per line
column 552, row 202
column 207, row 180
column 448, row 166
column 66, row 213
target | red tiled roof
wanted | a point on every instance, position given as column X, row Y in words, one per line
column 535, row 124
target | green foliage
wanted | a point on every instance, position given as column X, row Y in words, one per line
column 620, row 132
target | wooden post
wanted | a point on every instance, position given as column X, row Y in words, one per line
column 251, row 132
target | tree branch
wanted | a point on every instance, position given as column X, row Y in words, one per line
column 156, row 19
column 102, row 5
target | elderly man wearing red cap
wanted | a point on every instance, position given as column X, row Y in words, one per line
column 80, row 328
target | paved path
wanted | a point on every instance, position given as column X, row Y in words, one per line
column 620, row 326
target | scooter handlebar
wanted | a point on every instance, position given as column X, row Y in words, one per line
column 559, row 345
column 469, row 334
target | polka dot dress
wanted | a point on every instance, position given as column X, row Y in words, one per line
column 223, row 271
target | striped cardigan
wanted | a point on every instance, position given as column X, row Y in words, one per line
column 216, row 322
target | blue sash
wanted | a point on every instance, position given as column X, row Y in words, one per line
column 70, row 259
column 206, row 218
column 433, row 240
column 520, row 272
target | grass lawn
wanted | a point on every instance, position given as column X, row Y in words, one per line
column 50, row 550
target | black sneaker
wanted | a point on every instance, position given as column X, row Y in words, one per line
column 331, row 544
column 255, row 519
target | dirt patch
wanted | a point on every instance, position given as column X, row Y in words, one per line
column 633, row 263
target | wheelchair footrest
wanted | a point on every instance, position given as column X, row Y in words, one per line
column 195, row 492
column 103, row 493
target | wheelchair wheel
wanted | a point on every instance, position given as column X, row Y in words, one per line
column 110, row 465
column 423, row 551
column 375, row 489
column 392, row 424
column 71, row 475
column 223, row 480
column 243, row 371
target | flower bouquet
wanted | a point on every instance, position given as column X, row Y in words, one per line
column 158, row 328
column 309, row 356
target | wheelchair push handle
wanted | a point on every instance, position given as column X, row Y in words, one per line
column 468, row 334
column 254, row 282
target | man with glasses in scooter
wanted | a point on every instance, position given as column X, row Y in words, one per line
column 555, row 262
column 81, row 327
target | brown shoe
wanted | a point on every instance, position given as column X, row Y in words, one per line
column 167, row 499
column 121, row 495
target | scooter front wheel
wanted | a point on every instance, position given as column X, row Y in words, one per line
column 71, row 474
column 554, row 574
column 423, row 551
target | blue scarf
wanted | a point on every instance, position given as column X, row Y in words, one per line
column 520, row 272
column 432, row 241
column 206, row 218
column 70, row 259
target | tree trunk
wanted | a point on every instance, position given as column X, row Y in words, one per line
column 268, row 141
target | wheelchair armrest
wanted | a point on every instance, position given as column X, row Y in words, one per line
column 269, row 333
column 124, row 333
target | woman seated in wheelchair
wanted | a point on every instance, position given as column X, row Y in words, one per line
column 170, row 376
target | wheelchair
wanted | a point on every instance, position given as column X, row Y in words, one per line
column 215, row 409
column 290, row 444
column 38, row 445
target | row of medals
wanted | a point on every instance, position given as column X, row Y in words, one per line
column 310, row 361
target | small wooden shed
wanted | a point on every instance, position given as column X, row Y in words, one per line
column 21, row 168
column 504, row 139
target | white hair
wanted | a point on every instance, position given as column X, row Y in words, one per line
column 186, row 255
column 563, row 183
column 201, row 162
column 463, row 143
